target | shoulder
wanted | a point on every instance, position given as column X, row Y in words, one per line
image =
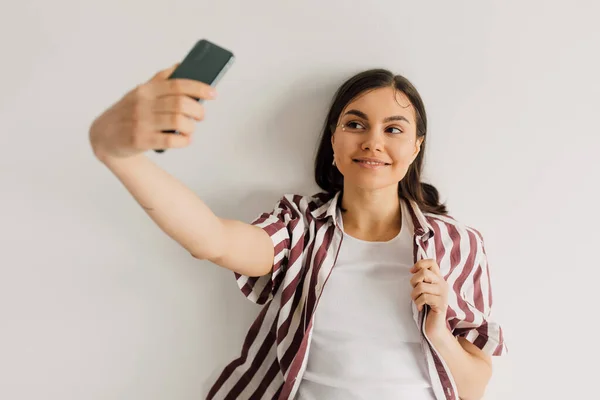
column 306, row 205
column 457, row 245
column 294, row 208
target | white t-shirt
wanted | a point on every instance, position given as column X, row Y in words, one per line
column 365, row 343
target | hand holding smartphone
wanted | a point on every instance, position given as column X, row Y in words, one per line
column 207, row 63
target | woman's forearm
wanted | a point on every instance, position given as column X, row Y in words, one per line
column 469, row 366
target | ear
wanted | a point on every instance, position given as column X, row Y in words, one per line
column 332, row 139
column 418, row 143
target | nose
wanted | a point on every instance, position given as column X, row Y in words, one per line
column 373, row 140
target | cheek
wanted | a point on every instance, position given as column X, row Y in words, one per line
column 402, row 158
column 344, row 147
column 403, row 155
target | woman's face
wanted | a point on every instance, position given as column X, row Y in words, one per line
column 378, row 125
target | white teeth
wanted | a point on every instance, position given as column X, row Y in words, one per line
column 371, row 162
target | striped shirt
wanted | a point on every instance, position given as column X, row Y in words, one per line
column 306, row 239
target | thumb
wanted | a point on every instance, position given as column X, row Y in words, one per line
column 164, row 74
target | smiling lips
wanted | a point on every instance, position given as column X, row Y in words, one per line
column 370, row 162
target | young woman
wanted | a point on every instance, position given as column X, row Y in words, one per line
column 370, row 290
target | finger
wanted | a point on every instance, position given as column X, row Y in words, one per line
column 421, row 301
column 431, row 300
column 421, row 264
column 435, row 268
column 173, row 122
column 179, row 105
column 424, row 275
column 164, row 74
column 426, row 264
column 188, row 87
column 425, row 289
column 168, row 141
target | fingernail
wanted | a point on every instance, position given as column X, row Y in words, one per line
column 212, row 93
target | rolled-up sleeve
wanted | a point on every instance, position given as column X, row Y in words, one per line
column 479, row 327
column 278, row 224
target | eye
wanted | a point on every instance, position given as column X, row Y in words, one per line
column 353, row 125
column 397, row 130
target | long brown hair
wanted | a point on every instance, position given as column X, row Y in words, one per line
column 329, row 178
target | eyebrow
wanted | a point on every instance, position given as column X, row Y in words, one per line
column 388, row 119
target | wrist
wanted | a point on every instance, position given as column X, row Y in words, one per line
column 114, row 162
column 442, row 336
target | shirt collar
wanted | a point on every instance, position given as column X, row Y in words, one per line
column 328, row 209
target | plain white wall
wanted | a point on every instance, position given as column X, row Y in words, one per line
column 97, row 303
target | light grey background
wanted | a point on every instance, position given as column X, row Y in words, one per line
column 97, row 303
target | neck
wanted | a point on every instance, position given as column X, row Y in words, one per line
column 372, row 214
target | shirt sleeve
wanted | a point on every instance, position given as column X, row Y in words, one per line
column 279, row 224
column 478, row 326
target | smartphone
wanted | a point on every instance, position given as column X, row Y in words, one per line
column 206, row 62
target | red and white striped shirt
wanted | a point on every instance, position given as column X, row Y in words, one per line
column 307, row 239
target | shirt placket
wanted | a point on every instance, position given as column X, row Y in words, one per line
column 446, row 391
column 298, row 366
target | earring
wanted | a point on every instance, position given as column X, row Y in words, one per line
column 333, row 163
